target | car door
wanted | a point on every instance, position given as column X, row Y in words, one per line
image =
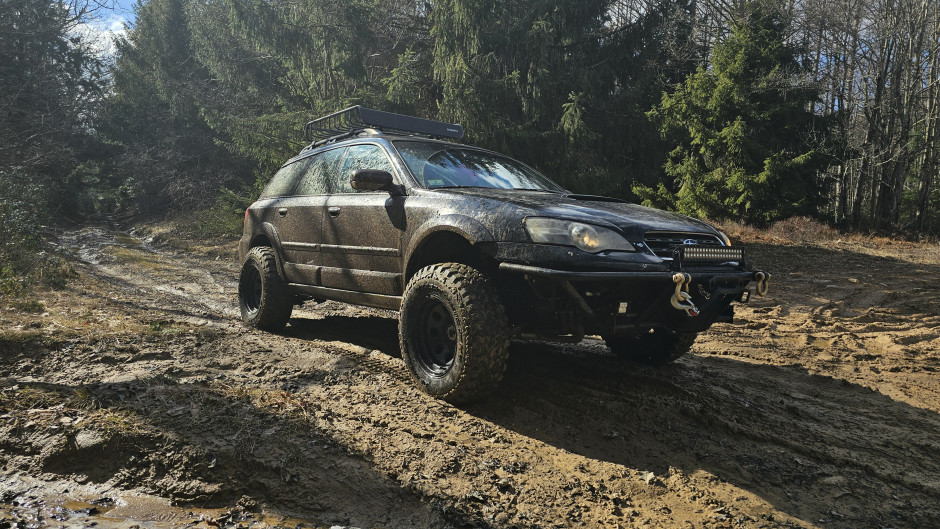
column 300, row 217
column 362, row 231
column 276, row 200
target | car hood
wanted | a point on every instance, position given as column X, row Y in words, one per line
column 632, row 219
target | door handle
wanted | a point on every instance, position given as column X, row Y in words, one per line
column 282, row 212
column 334, row 211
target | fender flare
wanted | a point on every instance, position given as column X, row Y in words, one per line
column 270, row 232
column 471, row 230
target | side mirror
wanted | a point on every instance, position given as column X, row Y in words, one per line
column 371, row 180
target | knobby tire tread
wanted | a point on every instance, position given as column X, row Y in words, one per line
column 483, row 332
column 276, row 305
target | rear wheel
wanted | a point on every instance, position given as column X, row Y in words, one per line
column 262, row 297
column 453, row 333
column 653, row 347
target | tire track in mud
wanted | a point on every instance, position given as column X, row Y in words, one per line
column 193, row 433
column 780, row 420
column 763, row 428
column 172, row 282
column 400, row 437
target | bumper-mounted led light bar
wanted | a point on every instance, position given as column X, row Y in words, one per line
column 708, row 254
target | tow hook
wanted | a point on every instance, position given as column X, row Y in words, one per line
column 763, row 278
column 682, row 300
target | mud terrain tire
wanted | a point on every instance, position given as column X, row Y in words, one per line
column 453, row 332
column 262, row 297
column 655, row 347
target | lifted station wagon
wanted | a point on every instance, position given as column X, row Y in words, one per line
column 473, row 249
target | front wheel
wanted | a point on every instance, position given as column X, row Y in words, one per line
column 652, row 347
column 262, row 297
column 453, row 332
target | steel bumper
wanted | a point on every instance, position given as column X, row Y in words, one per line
column 666, row 276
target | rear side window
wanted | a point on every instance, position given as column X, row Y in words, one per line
column 283, row 181
column 321, row 171
column 361, row 157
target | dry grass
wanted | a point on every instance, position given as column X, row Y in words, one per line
column 43, row 406
column 795, row 230
column 184, row 233
column 282, row 401
column 806, row 231
column 135, row 256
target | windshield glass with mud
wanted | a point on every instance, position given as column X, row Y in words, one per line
column 434, row 167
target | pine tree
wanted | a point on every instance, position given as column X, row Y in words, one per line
column 165, row 152
column 747, row 140
column 50, row 87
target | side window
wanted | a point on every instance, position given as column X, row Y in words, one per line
column 321, row 171
column 360, row 157
column 283, row 181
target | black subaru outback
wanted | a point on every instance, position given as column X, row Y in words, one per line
column 473, row 249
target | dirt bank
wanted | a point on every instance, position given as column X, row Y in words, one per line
column 818, row 408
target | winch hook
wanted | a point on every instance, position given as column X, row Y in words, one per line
column 681, row 299
column 762, row 278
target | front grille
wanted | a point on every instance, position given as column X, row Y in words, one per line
column 663, row 243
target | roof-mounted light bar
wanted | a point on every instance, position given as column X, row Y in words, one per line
column 353, row 119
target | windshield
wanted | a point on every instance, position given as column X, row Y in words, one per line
column 436, row 165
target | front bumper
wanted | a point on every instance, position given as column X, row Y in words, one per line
column 741, row 277
column 654, row 298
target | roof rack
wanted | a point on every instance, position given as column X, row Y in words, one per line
column 355, row 119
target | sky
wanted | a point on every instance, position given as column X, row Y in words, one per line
column 124, row 8
column 107, row 25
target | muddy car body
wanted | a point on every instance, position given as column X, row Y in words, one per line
column 473, row 249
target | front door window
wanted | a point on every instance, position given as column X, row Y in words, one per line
column 360, row 157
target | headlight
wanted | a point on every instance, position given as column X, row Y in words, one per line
column 724, row 238
column 592, row 239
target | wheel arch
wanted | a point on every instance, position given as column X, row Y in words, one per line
column 457, row 239
column 267, row 236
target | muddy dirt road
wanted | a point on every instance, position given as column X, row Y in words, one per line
column 820, row 407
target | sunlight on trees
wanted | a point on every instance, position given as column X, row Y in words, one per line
column 747, row 142
column 752, row 111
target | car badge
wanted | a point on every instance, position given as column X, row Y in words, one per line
column 689, row 241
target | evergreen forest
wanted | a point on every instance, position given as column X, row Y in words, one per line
column 746, row 110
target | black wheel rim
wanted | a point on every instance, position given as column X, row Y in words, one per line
column 252, row 289
column 435, row 337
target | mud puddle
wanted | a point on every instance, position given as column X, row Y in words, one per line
column 136, row 511
column 26, row 502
